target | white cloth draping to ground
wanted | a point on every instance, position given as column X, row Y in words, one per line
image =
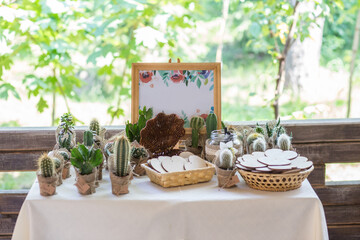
column 200, row 211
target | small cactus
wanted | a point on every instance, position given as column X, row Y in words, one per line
column 196, row 123
column 122, row 156
column 259, row 129
column 139, row 152
column 65, row 155
column 95, row 126
column 211, row 124
column 109, row 148
column 226, row 159
column 88, row 138
column 65, row 141
column 284, row 142
column 57, row 162
column 252, row 137
column 259, row 145
column 46, row 166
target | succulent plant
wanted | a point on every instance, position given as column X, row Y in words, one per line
column 65, row 140
column 196, row 124
column 46, row 166
column 259, row 129
column 259, row 145
column 65, row 155
column 66, row 124
column 133, row 130
column 226, row 159
column 109, row 148
column 122, row 156
column 86, row 159
column 284, row 142
column 139, row 152
column 211, row 124
column 88, row 138
column 95, row 126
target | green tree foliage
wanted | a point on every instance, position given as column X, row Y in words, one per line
column 63, row 38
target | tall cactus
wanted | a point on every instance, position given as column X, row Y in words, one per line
column 95, row 126
column 122, row 156
column 226, row 160
column 284, row 142
column 211, row 124
column 46, row 166
column 88, row 138
column 196, row 123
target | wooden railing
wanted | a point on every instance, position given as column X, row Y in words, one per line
column 322, row 141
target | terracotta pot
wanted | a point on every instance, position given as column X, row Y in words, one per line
column 226, row 178
column 47, row 185
column 120, row 185
column 86, row 183
column 66, row 170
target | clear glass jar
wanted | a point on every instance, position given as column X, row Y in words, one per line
column 218, row 136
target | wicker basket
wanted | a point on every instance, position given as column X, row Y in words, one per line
column 175, row 179
column 275, row 182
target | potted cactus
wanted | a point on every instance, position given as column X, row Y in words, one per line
column 120, row 171
column 89, row 142
column 196, row 124
column 65, row 134
column 85, row 160
column 66, row 163
column 59, row 164
column 225, row 168
column 139, row 155
column 211, row 124
column 46, row 175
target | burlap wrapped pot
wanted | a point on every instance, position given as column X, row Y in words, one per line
column 225, row 177
column 86, row 183
column 66, row 170
column 120, row 185
column 47, row 185
column 136, row 165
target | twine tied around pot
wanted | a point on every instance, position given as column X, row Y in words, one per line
column 85, row 183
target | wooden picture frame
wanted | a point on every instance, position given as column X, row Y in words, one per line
column 176, row 80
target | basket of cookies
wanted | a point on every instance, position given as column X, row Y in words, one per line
column 179, row 170
column 274, row 170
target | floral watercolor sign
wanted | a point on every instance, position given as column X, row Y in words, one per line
column 186, row 93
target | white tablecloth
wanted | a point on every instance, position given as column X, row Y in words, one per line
column 201, row 211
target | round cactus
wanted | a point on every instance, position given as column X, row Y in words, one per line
column 122, row 156
column 252, row 137
column 95, row 126
column 211, row 124
column 226, row 159
column 196, row 123
column 46, row 166
column 284, row 142
column 139, row 152
column 259, row 145
column 65, row 155
column 57, row 162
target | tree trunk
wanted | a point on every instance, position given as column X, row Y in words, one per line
column 353, row 58
column 302, row 59
column 225, row 13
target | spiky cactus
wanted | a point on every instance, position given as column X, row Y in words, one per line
column 122, row 156
column 65, row 141
column 46, row 166
column 226, row 159
column 57, row 162
column 88, row 138
column 196, row 123
column 139, row 152
column 95, row 126
column 65, row 155
column 211, row 124
column 252, row 137
column 259, row 145
column 109, row 148
column 284, row 142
